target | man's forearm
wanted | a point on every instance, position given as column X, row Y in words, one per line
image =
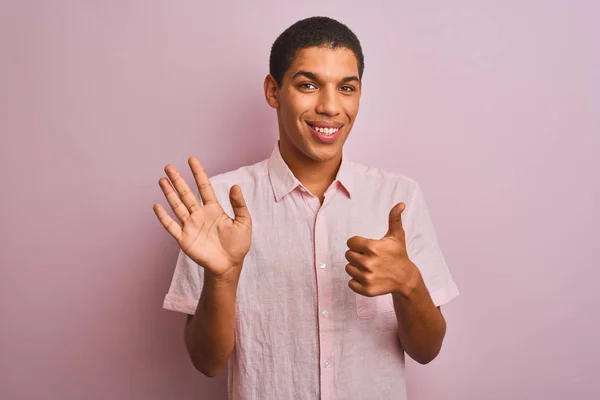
column 209, row 335
column 421, row 326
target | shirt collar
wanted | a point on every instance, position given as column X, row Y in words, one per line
column 283, row 180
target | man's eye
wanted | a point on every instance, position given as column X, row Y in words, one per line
column 347, row 88
column 308, row 86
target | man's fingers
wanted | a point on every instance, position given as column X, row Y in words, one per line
column 357, row 287
column 181, row 212
column 358, row 244
column 204, row 187
column 240, row 209
column 356, row 259
column 355, row 272
column 183, row 190
column 165, row 219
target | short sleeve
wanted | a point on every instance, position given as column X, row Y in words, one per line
column 424, row 250
column 186, row 286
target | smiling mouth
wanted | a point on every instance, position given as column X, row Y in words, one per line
column 325, row 131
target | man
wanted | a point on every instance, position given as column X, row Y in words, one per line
column 316, row 281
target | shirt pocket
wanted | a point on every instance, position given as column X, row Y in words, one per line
column 369, row 307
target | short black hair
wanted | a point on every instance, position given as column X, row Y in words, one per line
column 310, row 32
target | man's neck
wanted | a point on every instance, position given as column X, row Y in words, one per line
column 316, row 176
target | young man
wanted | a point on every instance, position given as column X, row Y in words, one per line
column 316, row 281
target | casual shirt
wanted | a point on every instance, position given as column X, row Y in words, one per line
column 300, row 332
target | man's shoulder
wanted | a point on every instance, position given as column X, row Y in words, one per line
column 242, row 176
column 378, row 177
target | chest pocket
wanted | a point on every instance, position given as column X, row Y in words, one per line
column 369, row 307
column 371, row 224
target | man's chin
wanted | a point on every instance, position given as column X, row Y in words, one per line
column 323, row 153
column 312, row 149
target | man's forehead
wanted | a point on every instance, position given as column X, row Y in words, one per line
column 325, row 62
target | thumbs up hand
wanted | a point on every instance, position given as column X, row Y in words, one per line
column 382, row 266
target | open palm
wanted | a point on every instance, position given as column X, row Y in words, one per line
column 206, row 234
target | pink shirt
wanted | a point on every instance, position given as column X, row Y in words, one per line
column 301, row 333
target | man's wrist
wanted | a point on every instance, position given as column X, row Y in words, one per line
column 412, row 288
column 228, row 279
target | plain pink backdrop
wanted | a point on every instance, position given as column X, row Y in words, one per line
column 492, row 106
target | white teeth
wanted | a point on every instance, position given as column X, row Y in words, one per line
column 327, row 131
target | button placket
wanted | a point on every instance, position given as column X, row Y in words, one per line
column 324, row 303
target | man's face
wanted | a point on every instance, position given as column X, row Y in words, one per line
column 318, row 102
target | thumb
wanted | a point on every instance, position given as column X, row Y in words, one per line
column 395, row 223
column 242, row 214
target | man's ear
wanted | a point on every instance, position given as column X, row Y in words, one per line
column 271, row 89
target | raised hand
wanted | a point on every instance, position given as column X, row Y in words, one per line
column 206, row 234
column 382, row 266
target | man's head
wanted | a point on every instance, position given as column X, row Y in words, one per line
column 316, row 67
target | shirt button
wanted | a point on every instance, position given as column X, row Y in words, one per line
column 326, row 364
column 322, row 265
column 325, row 314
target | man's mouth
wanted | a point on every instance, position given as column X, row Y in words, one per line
column 327, row 129
column 325, row 132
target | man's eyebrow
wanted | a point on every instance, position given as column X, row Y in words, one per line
column 305, row 74
column 351, row 79
column 314, row 77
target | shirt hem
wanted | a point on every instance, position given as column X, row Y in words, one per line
column 180, row 304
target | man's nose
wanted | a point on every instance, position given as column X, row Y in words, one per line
column 328, row 102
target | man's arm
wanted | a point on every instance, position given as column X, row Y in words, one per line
column 209, row 334
column 421, row 325
column 218, row 244
column 382, row 266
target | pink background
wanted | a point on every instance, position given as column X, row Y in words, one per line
column 492, row 106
